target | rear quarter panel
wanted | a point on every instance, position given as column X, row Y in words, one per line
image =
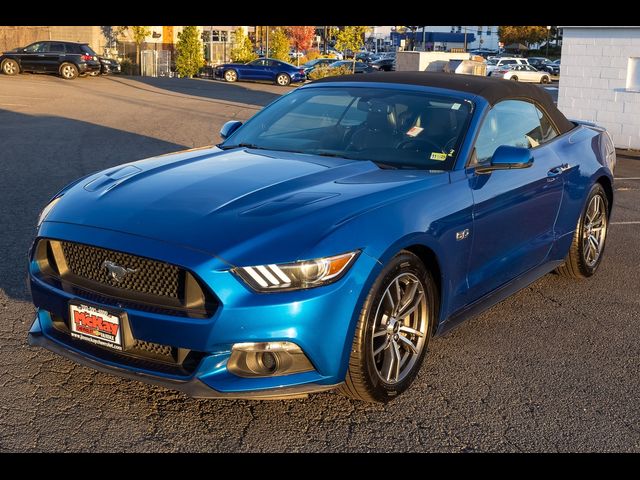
column 584, row 150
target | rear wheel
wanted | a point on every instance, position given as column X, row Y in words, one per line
column 393, row 331
column 94, row 73
column 10, row 67
column 283, row 79
column 231, row 76
column 68, row 71
column 588, row 242
column 545, row 79
column 514, row 78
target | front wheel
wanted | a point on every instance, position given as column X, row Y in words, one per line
column 589, row 238
column 230, row 75
column 10, row 67
column 94, row 73
column 68, row 71
column 283, row 79
column 393, row 331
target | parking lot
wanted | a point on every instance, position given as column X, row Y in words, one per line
column 552, row 368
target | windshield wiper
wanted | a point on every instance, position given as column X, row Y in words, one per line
column 243, row 145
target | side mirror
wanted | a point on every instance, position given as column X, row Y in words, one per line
column 228, row 128
column 507, row 157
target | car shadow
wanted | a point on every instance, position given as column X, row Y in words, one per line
column 39, row 156
column 207, row 88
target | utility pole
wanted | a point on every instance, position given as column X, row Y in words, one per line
column 266, row 53
column 548, row 31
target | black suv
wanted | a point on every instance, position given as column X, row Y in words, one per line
column 68, row 59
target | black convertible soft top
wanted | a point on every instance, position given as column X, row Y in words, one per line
column 491, row 89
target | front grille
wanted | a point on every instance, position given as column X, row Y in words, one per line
column 146, row 284
column 146, row 276
column 153, row 348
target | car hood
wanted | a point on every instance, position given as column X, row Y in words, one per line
column 244, row 206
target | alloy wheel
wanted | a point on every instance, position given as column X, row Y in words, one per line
column 9, row 68
column 230, row 76
column 283, row 80
column 594, row 230
column 400, row 328
column 68, row 71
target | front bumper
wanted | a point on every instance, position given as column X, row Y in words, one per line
column 320, row 321
column 192, row 387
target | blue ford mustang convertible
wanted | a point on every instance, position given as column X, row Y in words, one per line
column 324, row 242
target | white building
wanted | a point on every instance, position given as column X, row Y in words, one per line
column 600, row 80
column 486, row 36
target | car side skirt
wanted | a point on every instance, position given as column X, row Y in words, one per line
column 496, row 296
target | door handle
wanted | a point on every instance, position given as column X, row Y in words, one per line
column 555, row 171
column 41, row 55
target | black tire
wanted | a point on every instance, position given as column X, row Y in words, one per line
column 363, row 380
column 95, row 73
column 283, row 79
column 545, row 79
column 68, row 71
column 577, row 263
column 10, row 67
column 230, row 75
column 514, row 78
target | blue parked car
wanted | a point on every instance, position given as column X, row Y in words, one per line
column 276, row 71
column 324, row 242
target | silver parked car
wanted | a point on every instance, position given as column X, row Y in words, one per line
column 522, row 73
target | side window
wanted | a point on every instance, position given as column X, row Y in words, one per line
column 547, row 130
column 511, row 122
column 37, row 47
column 56, row 47
column 508, row 62
column 72, row 48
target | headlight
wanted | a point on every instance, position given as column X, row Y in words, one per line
column 46, row 210
column 296, row 275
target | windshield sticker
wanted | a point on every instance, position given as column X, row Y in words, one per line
column 438, row 156
column 415, row 131
column 456, row 106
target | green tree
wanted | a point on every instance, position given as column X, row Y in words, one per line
column 139, row 35
column 279, row 45
column 351, row 38
column 243, row 50
column 522, row 34
column 189, row 52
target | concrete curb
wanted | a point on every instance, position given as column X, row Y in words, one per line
column 633, row 154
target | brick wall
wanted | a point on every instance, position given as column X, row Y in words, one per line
column 593, row 77
column 12, row 36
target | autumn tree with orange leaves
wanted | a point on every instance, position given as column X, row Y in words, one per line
column 300, row 38
column 522, row 34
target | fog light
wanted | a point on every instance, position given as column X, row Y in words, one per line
column 269, row 362
column 266, row 359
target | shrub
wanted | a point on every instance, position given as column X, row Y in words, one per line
column 127, row 66
column 312, row 54
column 326, row 71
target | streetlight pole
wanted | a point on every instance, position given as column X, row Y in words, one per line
column 548, row 31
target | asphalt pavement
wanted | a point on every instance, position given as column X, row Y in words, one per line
column 552, row 368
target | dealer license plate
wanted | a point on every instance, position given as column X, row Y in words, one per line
column 95, row 325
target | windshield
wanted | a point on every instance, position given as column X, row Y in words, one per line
column 394, row 128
